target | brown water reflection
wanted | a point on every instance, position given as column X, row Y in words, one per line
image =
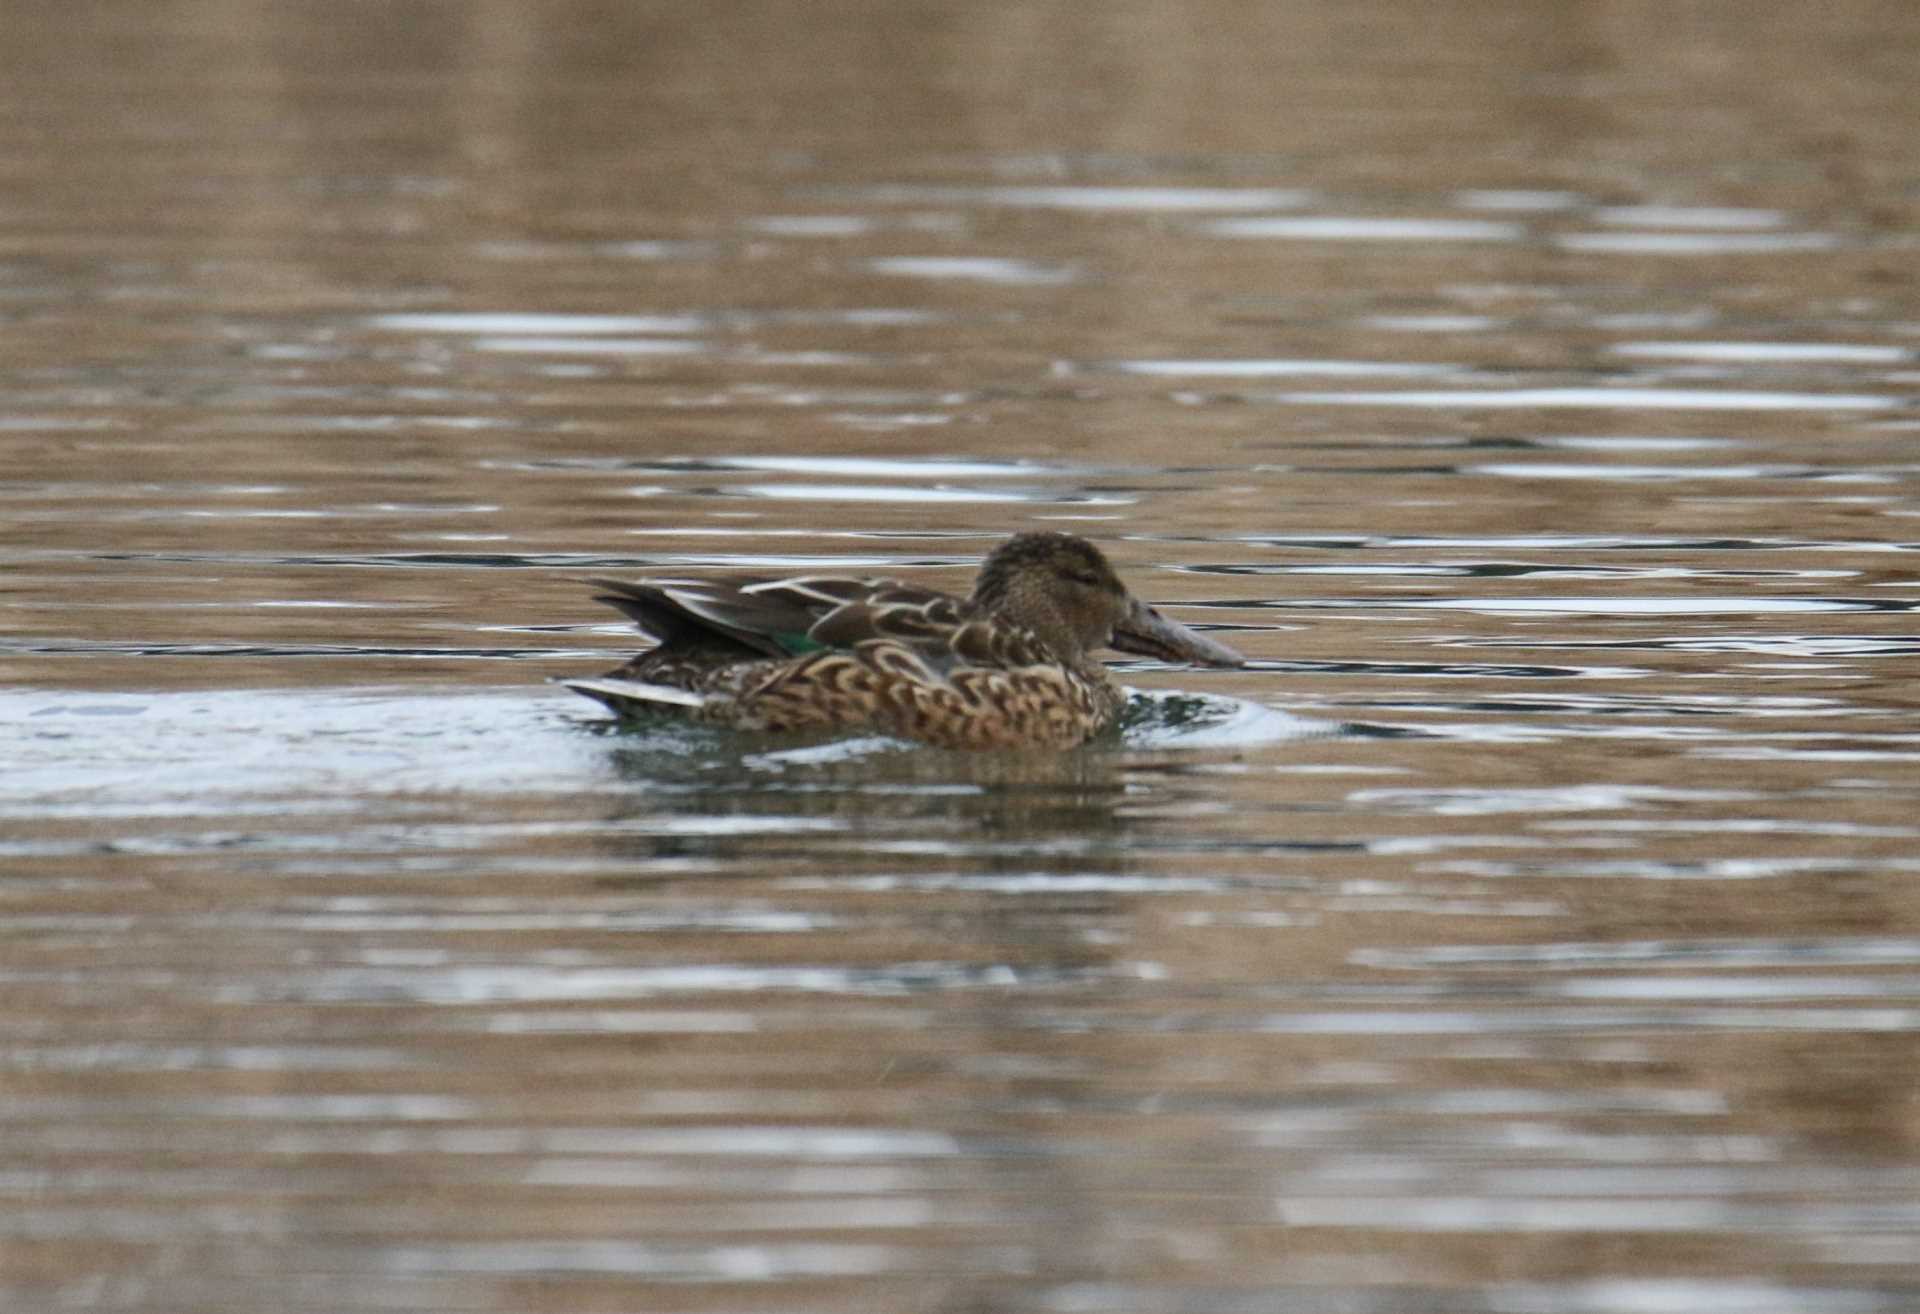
column 1530, row 393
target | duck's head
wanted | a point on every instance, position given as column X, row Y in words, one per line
column 1062, row 589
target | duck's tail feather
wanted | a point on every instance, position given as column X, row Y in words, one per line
column 631, row 697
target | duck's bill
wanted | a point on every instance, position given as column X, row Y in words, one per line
column 1146, row 633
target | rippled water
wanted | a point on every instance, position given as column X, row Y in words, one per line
column 1530, row 927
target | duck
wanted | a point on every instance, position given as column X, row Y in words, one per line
column 1011, row 665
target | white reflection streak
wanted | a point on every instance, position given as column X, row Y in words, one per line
column 1361, row 229
column 736, row 1263
column 1558, row 1214
column 1673, row 399
column 519, row 323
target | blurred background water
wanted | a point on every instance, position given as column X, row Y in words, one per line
column 1529, row 389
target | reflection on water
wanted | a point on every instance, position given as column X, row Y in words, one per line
column 1358, row 228
column 1529, row 926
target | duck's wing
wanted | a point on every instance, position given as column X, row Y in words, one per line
column 695, row 612
column 986, row 642
column 781, row 617
column 921, row 619
column 938, row 630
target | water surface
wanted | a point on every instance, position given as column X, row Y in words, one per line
column 1529, row 927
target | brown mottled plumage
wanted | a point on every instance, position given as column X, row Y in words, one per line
column 1009, row 666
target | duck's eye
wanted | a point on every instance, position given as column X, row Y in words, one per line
column 1086, row 577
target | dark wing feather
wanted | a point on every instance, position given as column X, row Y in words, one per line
column 818, row 594
column 784, row 617
column 687, row 611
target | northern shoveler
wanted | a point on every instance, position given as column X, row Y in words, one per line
column 1009, row 666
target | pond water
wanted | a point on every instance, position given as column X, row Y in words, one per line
column 1533, row 925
